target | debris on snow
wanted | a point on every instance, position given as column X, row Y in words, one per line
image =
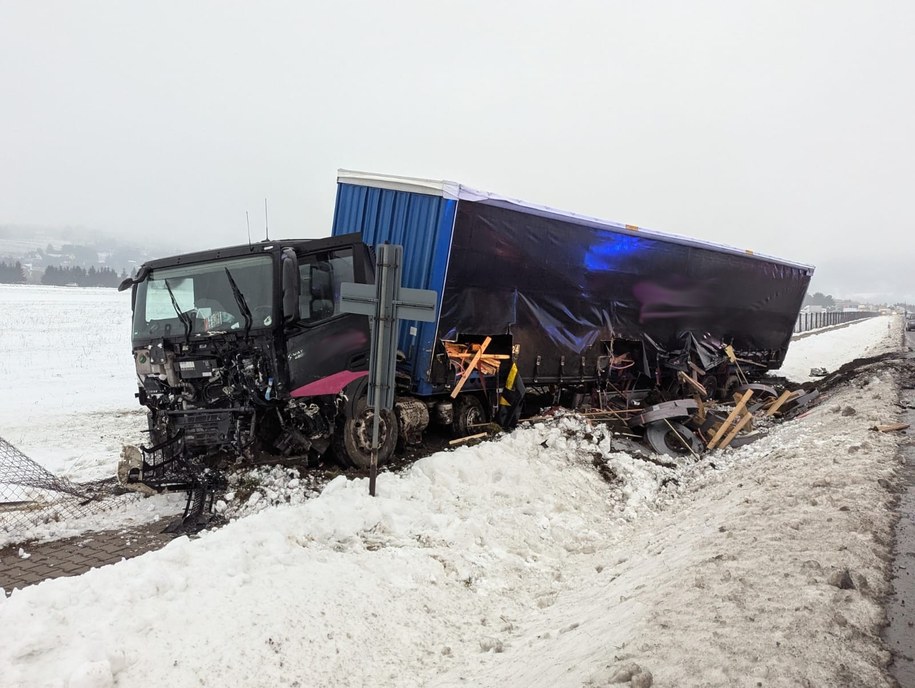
column 625, row 673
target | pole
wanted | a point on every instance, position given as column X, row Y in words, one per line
column 382, row 281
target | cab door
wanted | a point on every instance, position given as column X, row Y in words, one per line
column 326, row 348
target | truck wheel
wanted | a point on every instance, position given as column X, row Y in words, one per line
column 671, row 439
column 353, row 441
column 468, row 412
column 710, row 382
column 727, row 390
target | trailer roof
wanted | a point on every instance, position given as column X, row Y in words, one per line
column 461, row 192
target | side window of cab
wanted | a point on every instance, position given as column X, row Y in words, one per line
column 321, row 275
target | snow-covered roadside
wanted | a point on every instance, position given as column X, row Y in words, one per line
column 513, row 563
column 510, row 563
column 740, row 580
column 833, row 348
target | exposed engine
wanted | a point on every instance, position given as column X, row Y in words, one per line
column 215, row 401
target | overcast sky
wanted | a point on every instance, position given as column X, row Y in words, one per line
column 781, row 126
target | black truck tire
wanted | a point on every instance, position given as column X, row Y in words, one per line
column 353, row 439
column 672, row 438
column 468, row 413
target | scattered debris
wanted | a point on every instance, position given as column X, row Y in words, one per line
column 625, row 673
column 785, row 397
column 762, row 391
column 842, row 580
column 681, row 408
column 818, row 372
column 643, row 679
column 475, row 352
column 733, row 423
column 803, row 400
column 672, row 439
column 490, row 644
column 746, row 438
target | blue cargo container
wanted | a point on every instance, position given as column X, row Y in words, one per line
column 562, row 287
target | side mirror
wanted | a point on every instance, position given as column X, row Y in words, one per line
column 126, row 284
column 291, row 285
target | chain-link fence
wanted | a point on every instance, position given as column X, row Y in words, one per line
column 814, row 321
column 30, row 495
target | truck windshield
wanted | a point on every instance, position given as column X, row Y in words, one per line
column 204, row 292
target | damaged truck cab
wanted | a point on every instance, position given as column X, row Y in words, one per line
column 243, row 352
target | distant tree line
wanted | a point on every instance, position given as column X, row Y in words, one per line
column 81, row 277
column 12, row 273
column 820, row 299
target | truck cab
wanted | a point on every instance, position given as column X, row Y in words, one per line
column 243, row 352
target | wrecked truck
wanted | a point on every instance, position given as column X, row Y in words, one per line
column 245, row 352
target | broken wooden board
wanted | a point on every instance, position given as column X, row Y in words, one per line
column 470, row 367
column 687, row 380
column 732, row 418
column 777, row 404
column 737, row 428
column 461, row 440
column 488, row 364
column 891, row 427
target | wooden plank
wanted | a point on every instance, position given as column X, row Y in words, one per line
column 682, row 439
column 495, row 357
column 696, row 369
column 738, row 410
column 470, row 368
column 891, row 427
column 461, row 440
column 687, row 380
column 701, row 413
column 733, row 433
column 778, row 403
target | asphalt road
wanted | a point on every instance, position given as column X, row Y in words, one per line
column 900, row 634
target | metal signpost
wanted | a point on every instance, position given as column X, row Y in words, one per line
column 385, row 302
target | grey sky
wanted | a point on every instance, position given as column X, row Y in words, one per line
column 780, row 126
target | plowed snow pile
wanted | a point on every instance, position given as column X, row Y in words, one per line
column 512, row 563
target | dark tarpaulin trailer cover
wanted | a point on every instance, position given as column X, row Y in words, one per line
column 562, row 284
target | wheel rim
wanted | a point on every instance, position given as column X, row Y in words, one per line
column 359, row 437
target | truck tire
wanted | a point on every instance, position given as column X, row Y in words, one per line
column 468, row 412
column 672, row 438
column 726, row 393
column 353, row 440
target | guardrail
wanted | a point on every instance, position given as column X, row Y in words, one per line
column 814, row 321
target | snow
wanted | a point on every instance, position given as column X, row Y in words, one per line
column 836, row 346
column 68, row 377
column 512, row 563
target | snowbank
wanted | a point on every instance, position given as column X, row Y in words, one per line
column 509, row 563
column 513, row 563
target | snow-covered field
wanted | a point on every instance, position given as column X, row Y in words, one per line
column 67, row 379
column 511, row 563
